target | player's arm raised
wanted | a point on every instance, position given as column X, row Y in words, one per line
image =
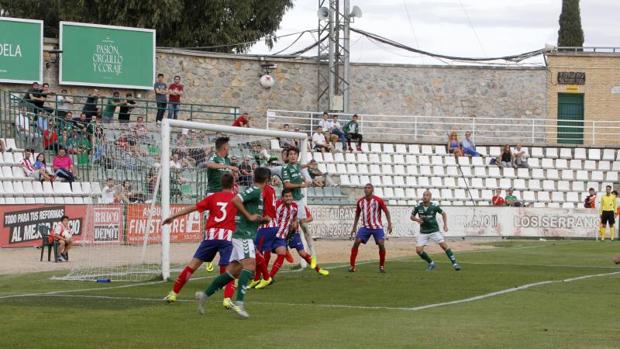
column 217, row 166
column 183, row 212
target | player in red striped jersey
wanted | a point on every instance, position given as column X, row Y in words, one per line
column 218, row 234
column 287, row 235
column 369, row 208
column 265, row 235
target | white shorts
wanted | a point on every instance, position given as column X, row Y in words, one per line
column 242, row 249
column 422, row 239
column 301, row 209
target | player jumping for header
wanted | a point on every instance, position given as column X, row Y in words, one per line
column 370, row 207
column 426, row 213
column 218, row 235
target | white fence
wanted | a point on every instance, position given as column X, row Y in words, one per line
column 335, row 222
column 486, row 129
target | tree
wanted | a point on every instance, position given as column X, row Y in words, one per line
column 570, row 33
column 221, row 25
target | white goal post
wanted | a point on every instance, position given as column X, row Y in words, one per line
column 166, row 129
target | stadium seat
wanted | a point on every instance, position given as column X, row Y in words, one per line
column 362, row 169
column 597, row 176
column 580, row 154
column 399, row 193
column 575, row 165
column 379, row 192
column 275, row 145
column 438, row 171
column 566, row 153
column 449, row 161
column 437, row 160
column 344, row 180
column 557, row 196
column 538, row 173
column 533, row 162
column 411, row 181
column 411, row 193
column 426, row 150
column 486, row 194
column 424, row 160
column 414, row 149
column 365, row 148
column 387, row 181
column 609, row 154
column 551, row 153
column 561, row 164
column 399, row 181
column 8, row 158
column 537, row 152
column 611, row 176
column 341, row 168
column 582, row 175
column 375, row 170
column 388, row 148
column 505, row 183
column 387, row 169
column 412, row 170
column 568, row 175
column 494, row 172
column 329, row 168
column 539, row 204
column 425, row 170
column 534, row 184
column 547, row 163
column 462, row 183
column 449, row 182
column 543, row 196
column 460, row 194
column 594, row 185
column 529, row 196
column 350, row 158
column 318, row 157
column 399, row 158
column 589, row 165
column 388, row 193
column 466, row 171
column 67, row 200
column 523, row 173
column 477, row 182
column 322, row 167
column 362, row 158
column 519, row 184
column 568, row 205
column 594, row 154
column 508, row 172
column 491, row 183
column 436, row 182
column 440, row 150
column 78, row 200
column 328, row 157
column 603, row 165
column 376, row 181
column 423, row 182
column 477, row 161
column 552, row 174
column 463, row 160
column 572, row 196
column 411, row 159
column 578, row 186
column 452, row 171
column 386, row 158
column 401, row 148
column 375, row 148
column 339, row 157
column 96, row 189
column 494, row 151
column 481, row 172
column 399, row 170
column 351, row 168
column 355, row 180
column 374, row 158
column 29, row 200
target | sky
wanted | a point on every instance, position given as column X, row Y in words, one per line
column 470, row 28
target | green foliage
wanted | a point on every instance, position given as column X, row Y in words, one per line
column 570, row 32
column 179, row 23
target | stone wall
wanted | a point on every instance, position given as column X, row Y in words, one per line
column 462, row 91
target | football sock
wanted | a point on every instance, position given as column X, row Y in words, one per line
column 218, row 283
column 308, row 258
column 353, row 256
column 229, row 289
column 451, row 256
column 612, row 232
column 382, row 257
column 183, row 277
column 276, row 265
column 267, row 256
column 425, row 257
column 244, row 278
column 601, row 233
column 261, row 268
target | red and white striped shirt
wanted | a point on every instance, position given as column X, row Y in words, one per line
column 27, row 166
column 285, row 216
column 219, row 234
column 269, row 206
column 370, row 211
column 221, row 222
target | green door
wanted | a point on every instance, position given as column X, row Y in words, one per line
column 570, row 118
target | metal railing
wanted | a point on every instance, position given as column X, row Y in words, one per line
column 435, row 129
column 588, row 49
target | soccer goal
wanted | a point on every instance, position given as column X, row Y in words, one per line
column 166, row 170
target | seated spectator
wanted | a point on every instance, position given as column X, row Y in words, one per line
column 497, row 199
column 453, row 144
column 63, row 166
column 2, row 146
column 139, row 129
column 468, row 146
column 42, row 123
column 511, row 199
column 505, row 159
column 175, row 162
column 318, row 141
column 110, row 107
column 64, row 140
column 108, row 193
column 81, row 123
column 326, row 125
column 590, row 201
column 352, row 132
column 126, row 106
column 286, row 143
column 50, row 137
column 337, row 130
column 520, row 156
column 64, row 103
column 62, row 234
column 129, row 195
column 245, row 172
column 242, row 121
column 29, row 169
column 41, row 166
column 67, row 123
column 319, row 179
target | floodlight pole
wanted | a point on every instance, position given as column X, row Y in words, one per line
column 346, row 42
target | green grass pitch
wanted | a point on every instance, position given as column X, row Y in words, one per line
column 364, row 309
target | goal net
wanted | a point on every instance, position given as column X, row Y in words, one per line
column 153, row 175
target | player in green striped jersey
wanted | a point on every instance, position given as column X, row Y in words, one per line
column 425, row 214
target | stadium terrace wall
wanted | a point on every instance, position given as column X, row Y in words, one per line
column 209, row 78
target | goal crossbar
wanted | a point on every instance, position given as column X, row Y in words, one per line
column 166, row 127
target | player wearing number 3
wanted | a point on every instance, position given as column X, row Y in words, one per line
column 425, row 214
column 218, row 238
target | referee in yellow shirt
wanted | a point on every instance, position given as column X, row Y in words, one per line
column 608, row 213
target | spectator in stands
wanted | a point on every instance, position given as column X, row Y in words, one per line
column 130, row 196
column 29, row 169
column 64, row 103
column 245, row 171
column 107, row 193
column 44, row 93
column 175, row 91
column 50, row 137
column 286, row 143
column 326, row 126
column 337, row 130
column 41, row 166
column 261, row 155
column 242, row 121
column 22, row 123
column 511, row 199
column 33, row 94
column 319, row 179
column 62, row 234
column 2, row 146
column 91, row 107
column 497, row 199
column 139, row 129
column 468, row 145
column 126, row 106
column 505, row 159
column 63, row 166
column 318, row 141
column 590, row 201
column 453, row 144
column 161, row 97
column 111, row 105
column 67, row 123
column 520, row 156
column 352, row 132
column 81, row 123
column 63, row 140
column 175, row 162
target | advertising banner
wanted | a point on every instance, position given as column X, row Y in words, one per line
column 107, row 224
column 183, row 229
column 335, row 222
column 108, row 56
column 21, row 50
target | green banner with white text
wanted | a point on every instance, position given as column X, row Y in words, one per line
column 21, row 50
column 107, row 56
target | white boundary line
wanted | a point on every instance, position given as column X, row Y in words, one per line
column 417, row 308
